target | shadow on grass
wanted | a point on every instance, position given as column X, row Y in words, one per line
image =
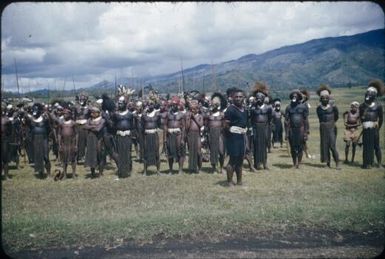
column 284, row 155
column 315, row 165
column 283, row 166
column 222, row 183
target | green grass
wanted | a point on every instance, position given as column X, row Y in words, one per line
column 86, row 212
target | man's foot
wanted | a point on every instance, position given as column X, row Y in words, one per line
column 328, row 164
column 239, row 183
column 230, row 184
column 180, row 171
column 346, row 161
column 338, row 166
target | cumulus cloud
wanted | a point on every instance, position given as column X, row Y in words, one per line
column 96, row 41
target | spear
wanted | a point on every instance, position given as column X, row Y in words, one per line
column 181, row 66
column 73, row 81
column 17, row 79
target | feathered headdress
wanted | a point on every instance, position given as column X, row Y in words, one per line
column 219, row 98
column 324, row 90
column 125, row 91
column 260, row 88
column 305, row 94
column 377, row 86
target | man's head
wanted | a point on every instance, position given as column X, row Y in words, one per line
column 237, row 97
column 95, row 112
column 37, row 110
column 83, row 99
column 375, row 88
column 354, row 106
column 150, row 105
column 67, row 114
column 122, row 104
column 324, row 92
column 260, row 98
column 277, row 104
column 295, row 97
column 194, row 106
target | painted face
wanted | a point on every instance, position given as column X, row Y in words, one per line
column 36, row 112
column 295, row 98
column 277, row 107
column 370, row 96
column 174, row 107
column 260, row 99
column 150, row 106
column 324, row 99
column 83, row 100
column 122, row 105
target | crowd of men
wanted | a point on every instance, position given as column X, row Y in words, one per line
column 238, row 125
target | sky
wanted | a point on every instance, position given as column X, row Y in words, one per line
column 58, row 45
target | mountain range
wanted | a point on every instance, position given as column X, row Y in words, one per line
column 337, row 61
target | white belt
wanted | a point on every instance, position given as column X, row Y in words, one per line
column 173, row 130
column 237, row 130
column 83, row 121
column 123, row 133
column 369, row 124
column 150, row 131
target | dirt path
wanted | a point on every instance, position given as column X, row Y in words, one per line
column 301, row 244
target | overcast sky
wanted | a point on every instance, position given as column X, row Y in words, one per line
column 53, row 43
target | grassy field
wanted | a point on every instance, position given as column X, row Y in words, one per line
column 108, row 212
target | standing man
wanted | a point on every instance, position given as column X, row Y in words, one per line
column 351, row 121
column 68, row 142
column 235, row 123
column 194, row 122
column 371, row 114
column 327, row 115
column 150, row 126
column 123, row 124
column 95, row 155
column 277, row 126
column 260, row 119
column 175, row 135
column 82, row 114
column 6, row 131
column 296, row 126
column 214, row 126
column 40, row 128
column 305, row 98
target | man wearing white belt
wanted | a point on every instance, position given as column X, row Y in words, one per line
column 371, row 114
column 175, row 135
column 123, row 122
column 235, row 124
column 150, row 125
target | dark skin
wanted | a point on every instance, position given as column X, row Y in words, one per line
column 151, row 123
column 5, row 128
column 194, row 122
column 351, row 120
column 95, row 127
column 67, row 129
column 215, row 120
column 175, row 119
column 237, row 99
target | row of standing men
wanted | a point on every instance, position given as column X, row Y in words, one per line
column 233, row 125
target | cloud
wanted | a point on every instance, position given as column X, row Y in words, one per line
column 96, row 41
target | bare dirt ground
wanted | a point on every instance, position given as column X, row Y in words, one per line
column 299, row 244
